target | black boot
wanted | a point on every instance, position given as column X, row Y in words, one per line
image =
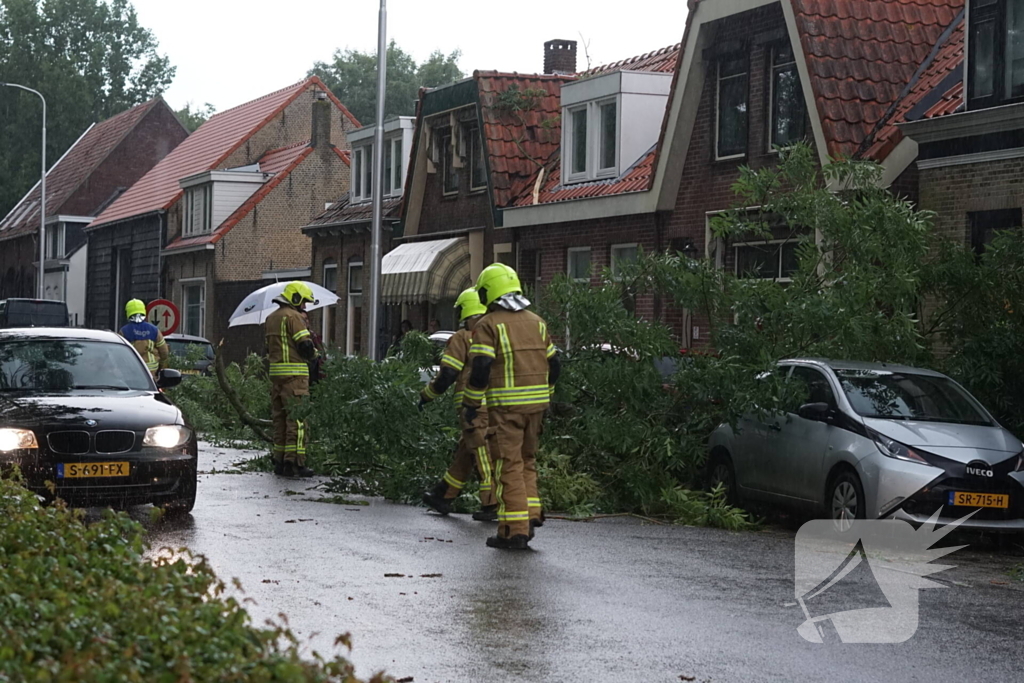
column 488, row 513
column 517, row 542
column 434, row 498
column 279, row 468
column 303, row 472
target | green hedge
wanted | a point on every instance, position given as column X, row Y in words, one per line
column 80, row 602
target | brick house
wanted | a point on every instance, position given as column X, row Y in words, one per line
column 965, row 113
column 748, row 75
column 105, row 160
column 221, row 215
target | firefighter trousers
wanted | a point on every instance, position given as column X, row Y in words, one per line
column 289, row 434
column 467, row 456
column 515, row 442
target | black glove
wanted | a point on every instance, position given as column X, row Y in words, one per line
column 421, row 404
column 469, row 413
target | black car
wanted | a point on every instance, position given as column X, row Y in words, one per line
column 33, row 313
column 78, row 408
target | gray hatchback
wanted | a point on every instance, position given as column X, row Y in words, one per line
column 872, row 441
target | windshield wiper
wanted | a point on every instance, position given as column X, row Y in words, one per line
column 101, row 386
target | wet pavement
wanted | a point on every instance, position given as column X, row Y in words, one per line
column 611, row 600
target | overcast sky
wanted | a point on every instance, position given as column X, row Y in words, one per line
column 232, row 51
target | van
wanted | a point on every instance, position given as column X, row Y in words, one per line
column 33, row 313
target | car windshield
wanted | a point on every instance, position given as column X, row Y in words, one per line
column 58, row 365
column 907, row 396
column 182, row 348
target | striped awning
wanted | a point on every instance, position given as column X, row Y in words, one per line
column 425, row 271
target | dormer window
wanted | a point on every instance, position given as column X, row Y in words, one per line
column 477, row 167
column 393, row 167
column 198, row 210
column 593, row 135
column 996, row 59
column 731, row 139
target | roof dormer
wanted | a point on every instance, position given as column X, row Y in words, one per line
column 397, row 146
column 609, row 122
column 212, row 196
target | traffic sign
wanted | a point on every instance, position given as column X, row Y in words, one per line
column 164, row 314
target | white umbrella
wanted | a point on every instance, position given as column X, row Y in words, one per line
column 255, row 308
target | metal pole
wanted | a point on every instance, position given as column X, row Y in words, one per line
column 41, row 290
column 378, row 185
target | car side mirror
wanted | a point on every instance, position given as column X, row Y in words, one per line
column 814, row 411
column 167, row 378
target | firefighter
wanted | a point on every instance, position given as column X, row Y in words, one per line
column 472, row 446
column 145, row 337
column 289, row 347
column 515, row 366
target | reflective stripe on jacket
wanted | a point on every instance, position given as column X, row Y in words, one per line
column 520, row 346
column 285, row 328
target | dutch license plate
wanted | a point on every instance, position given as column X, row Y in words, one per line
column 979, row 500
column 84, row 470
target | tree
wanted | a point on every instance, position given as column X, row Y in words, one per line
column 193, row 118
column 352, row 77
column 90, row 58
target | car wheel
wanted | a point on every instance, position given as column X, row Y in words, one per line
column 183, row 504
column 720, row 471
column 845, row 500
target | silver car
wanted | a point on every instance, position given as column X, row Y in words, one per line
column 873, row 441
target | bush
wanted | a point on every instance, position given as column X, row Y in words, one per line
column 80, row 602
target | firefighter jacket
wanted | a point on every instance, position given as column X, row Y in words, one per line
column 520, row 347
column 456, row 355
column 286, row 329
column 150, row 344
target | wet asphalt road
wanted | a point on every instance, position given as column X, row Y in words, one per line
column 612, row 600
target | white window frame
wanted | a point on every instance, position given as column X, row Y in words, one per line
column 568, row 263
column 718, row 97
column 187, row 283
column 56, row 230
column 362, row 183
column 349, row 309
column 394, row 150
column 334, row 307
column 594, row 113
column 447, row 152
column 611, row 255
column 570, row 147
column 761, row 243
column 475, row 134
column 188, row 227
column 597, row 113
column 774, row 66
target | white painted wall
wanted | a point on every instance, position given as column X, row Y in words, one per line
column 228, row 196
column 76, row 285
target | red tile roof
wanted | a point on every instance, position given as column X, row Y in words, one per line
column 518, row 143
column 659, row 61
column 636, row 178
column 73, row 169
column 205, row 150
column 936, row 91
column 279, row 162
column 861, row 55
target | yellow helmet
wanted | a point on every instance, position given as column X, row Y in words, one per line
column 495, row 281
column 134, row 307
column 468, row 304
column 298, row 293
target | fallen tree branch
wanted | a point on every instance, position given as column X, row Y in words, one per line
column 617, row 514
column 247, row 419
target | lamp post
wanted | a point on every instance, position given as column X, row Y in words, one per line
column 42, row 191
column 378, row 184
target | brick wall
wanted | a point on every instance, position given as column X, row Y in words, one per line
column 954, row 191
column 190, row 269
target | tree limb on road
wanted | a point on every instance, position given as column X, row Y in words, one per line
column 256, row 425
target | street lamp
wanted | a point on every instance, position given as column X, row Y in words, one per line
column 378, row 184
column 42, row 191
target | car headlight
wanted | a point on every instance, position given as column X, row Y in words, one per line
column 894, row 449
column 17, row 439
column 167, row 436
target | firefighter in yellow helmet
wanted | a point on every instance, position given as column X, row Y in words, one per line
column 289, row 346
column 514, row 366
column 472, row 446
column 145, row 337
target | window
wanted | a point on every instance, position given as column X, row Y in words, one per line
column 357, row 173
column 503, row 254
column 354, row 341
column 984, row 225
column 55, row 241
column 396, row 175
column 579, row 141
column 579, row 264
column 732, row 108
column 996, row 60
column 818, row 388
column 787, row 99
column 194, row 295
column 450, row 177
column 609, row 137
column 389, row 169
column 477, row 166
column 622, row 254
column 198, row 210
column 330, row 312
column 330, row 276
column 776, row 260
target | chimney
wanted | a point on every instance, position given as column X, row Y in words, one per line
column 560, row 57
column 320, row 131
